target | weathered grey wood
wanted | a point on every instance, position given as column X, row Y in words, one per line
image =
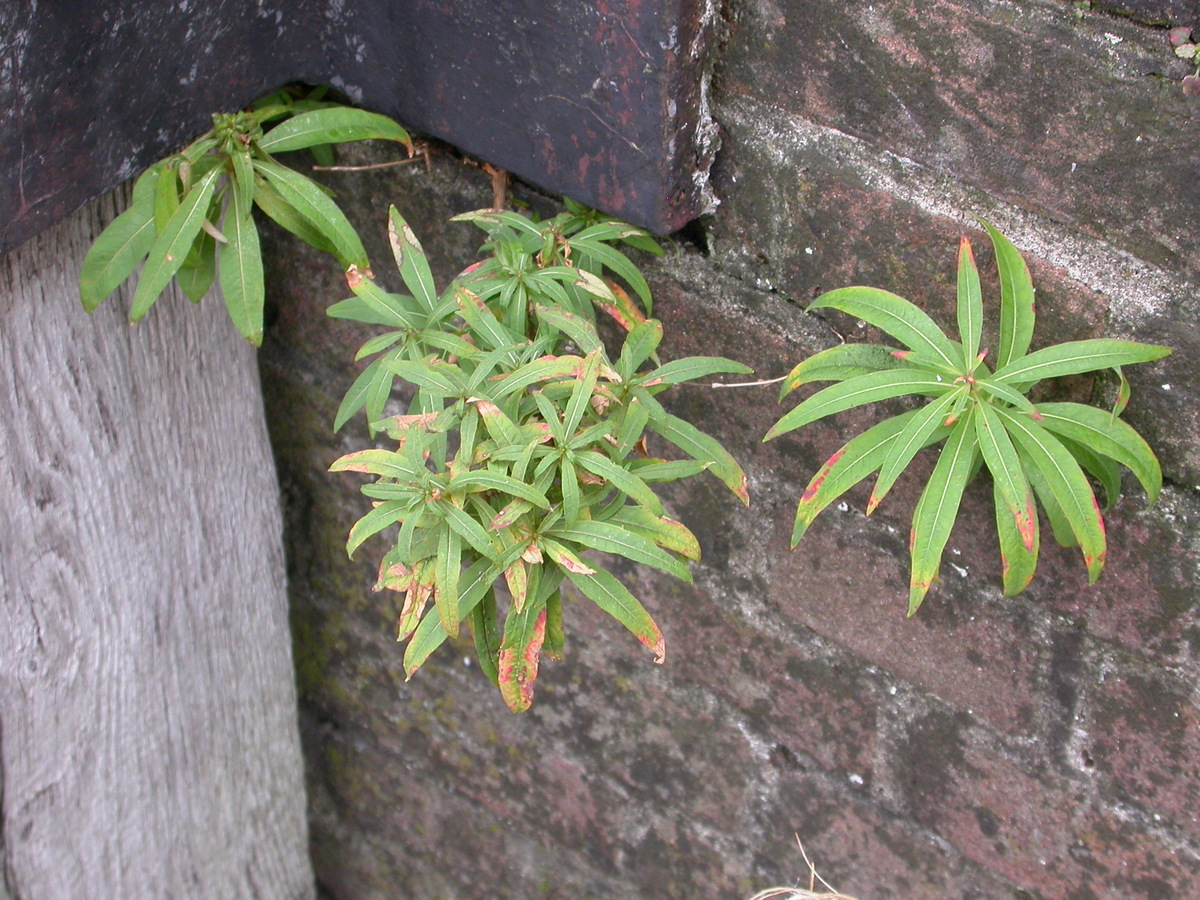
column 147, row 706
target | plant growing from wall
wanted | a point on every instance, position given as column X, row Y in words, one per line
column 524, row 445
column 190, row 215
column 1032, row 450
column 1186, row 48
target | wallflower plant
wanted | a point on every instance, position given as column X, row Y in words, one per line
column 1032, row 450
column 524, row 445
column 191, row 210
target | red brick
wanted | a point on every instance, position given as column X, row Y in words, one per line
column 1007, row 101
column 800, row 697
column 1052, row 837
column 865, row 852
column 848, row 581
column 1145, row 740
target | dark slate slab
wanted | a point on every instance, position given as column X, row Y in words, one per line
column 1154, row 12
column 598, row 100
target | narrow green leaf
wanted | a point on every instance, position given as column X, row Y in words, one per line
column 663, row 531
column 582, row 394
column 1019, row 561
column 1102, row 468
column 938, row 508
column 147, row 184
column 1002, row 461
column 390, row 308
column 542, row 369
column 970, row 303
column 569, row 485
column 476, row 581
column 520, row 653
column 911, row 439
column 449, row 570
column 485, row 631
column 621, row 479
column 562, row 556
column 378, row 344
column 919, row 360
column 900, row 318
column 1075, row 357
column 166, row 195
column 857, row 391
column 1006, row 394
column 1016, row 299
column 609, row 538
column 334, row 125
column 468, row 528
column 279, row 211
column 839, row 363
column 631, row 425
column 1068, row 485
column 1097, row 430
column 556, row 639
column 371, row 389
column 485, row 480
column 692, row 367
column 199, row 269
column 700, row 446
column 501, row 428
column 665, row 470
column 242, row 272
column 117, row 252
column 355, row 310
column 379, row 518
column 488, row 219
column 1064, row 536
column 596, row 287
column 171, row 246
column 617, row 262
column 640, row 344
column 307, row 199
column 377, row 461
column 578, row 329
column 483, row 322
column 433, row 375
column 243, row 180
column 603, row 589
column 551, row 417
column 410, row 259
column 1123, row 393
column 848, row 466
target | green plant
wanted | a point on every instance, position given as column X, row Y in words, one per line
column 1186, row 48
column 524, row 444
column 192, row 210
column 1031, row 449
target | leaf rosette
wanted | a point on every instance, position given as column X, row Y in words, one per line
column 1038, row 454
column 191, row 220
column 523, row 452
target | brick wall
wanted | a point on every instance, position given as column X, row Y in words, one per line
column 1043, row 746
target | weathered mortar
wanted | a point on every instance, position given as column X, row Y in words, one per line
column 1043, row 746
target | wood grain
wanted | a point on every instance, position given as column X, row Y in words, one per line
column 147, row 706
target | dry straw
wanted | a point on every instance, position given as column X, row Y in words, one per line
column 811, row 893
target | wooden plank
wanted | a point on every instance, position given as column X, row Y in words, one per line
column 604, row 101
column 149, row 744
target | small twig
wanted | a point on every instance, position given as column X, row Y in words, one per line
column 419, row 152
column 811, row 893
column 382, row 165
column 499, row 186
column 738, row 384
column 812, row 869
